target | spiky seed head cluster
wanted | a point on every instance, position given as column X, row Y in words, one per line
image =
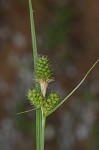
column 35, row 98
column 43, row 75
column 46, row 104
column 43, row 70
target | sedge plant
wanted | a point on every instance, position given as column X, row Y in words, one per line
column 44, row 105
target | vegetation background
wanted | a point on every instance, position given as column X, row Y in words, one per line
column 68, row 32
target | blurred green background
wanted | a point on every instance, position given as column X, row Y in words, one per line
column 68, row 32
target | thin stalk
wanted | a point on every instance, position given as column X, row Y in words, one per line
column 43, row 131
column 70, row 94
column 33, row 35
column 38, row 111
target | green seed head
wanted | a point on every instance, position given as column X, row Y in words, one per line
column 35, row 98
column 50, row 103
column 43, row 73
column 53, row 99
column 43, row 70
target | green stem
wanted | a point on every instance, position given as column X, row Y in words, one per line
column 43, row 131
column 33, row 35
column 38, row 111
column 38, row 129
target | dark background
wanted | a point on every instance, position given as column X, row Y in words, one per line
column 68, row 32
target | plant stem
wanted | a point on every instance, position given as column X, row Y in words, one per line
column 38, row 111
column 33, row 35
column 43, row 130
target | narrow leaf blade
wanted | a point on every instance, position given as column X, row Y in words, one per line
column 75, row 87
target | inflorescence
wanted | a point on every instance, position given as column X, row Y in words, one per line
column 43, row 75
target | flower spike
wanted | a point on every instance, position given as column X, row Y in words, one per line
column 51, row 102
column 35, row 98
column 43, row 73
